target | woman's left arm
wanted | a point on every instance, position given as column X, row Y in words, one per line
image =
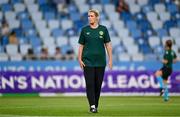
column 109, row 51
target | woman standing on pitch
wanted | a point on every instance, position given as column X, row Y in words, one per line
column 163, row 74
column 93, row 40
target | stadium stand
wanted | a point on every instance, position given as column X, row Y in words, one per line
column 57, row 23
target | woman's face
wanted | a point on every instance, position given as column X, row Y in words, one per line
column 92, row 18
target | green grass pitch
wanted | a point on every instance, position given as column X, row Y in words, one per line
column 78, row 107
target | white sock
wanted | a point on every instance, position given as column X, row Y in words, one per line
column 93, row 106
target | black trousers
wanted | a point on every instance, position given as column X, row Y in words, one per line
column 93, row 77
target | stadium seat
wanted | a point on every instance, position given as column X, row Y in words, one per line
column 83, row 8
column 134, row 48
column 32, row 8
column 119, row 48
column 144, row 25
column 24, row 48
column 48, row 41
column 134, row 8
column 65, row 48
column 22, row 15
column 61, row 40
column 128, row 41
column 142, row 2
column 73, row 42
column 126, row 16
column 106, row 23
column 16, row 1
column 147, row 8
column 177, row 42
column 49, row 16
column 158, row 24
column 174, row 32
column 52, row 24
column 129, row 2
column 114, row 17
column 44, row 33
column 159, row 50
column 144, row 48
column 131, row 24
column 164, row 16
column 23, row 40
column 12, row 49
column 75, row 16
column 162, row 32
column 105, row 1
column 152, row 16
column 135, row 33
column 10, row 15
column 169, row 24
column 16, row 57
column 37, row 17
column 66, row 24
column 57, row 32
column 150, row 57
column 1, row 17
column 118, row 25
column 19, row 7
column 26, row 24
column 137, row 57
column 80, row 2
column 4, row 2
column 154, row 41
column 27, row 2
column 40, row 2
column 6, row 7
column 51, row 50
column 35, row 41
column 2, row 50
column 178, row 23
column 3, row 57
column 98, row 7
column 109, row 8
column 159, row 8
column 123, row 33
column 124, row 57
column 30, row 32
column 172, row 8
column 175, row 48
column 14, row 24
column 115, row 41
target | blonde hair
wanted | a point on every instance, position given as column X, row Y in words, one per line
column 96, row 12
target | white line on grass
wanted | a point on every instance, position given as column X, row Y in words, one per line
column 108, row 105
column 3, row 115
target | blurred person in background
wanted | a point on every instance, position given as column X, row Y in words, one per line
column 44, row 54
column 177, row 2
column 162, row 75
column 93, row 40
column 13, row 38
column 58, row 54
column 70, row 54
column 4, row 33
column 62, row 6
column 30, row 55
column 121, row 6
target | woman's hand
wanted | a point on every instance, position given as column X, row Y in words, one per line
column 110, row 64
column 164, row 61
column 81, row 63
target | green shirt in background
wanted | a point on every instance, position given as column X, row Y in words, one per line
column 94, row 54
column 169, row 55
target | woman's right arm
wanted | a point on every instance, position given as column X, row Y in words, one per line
column 81, row 63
